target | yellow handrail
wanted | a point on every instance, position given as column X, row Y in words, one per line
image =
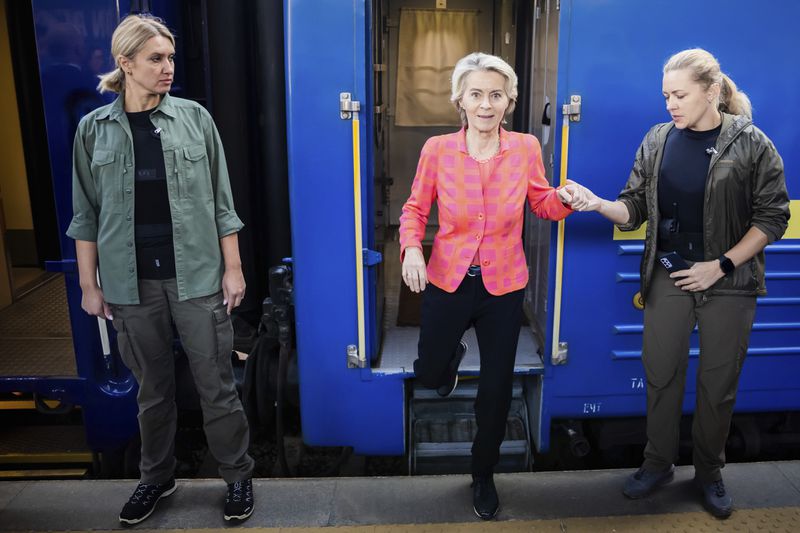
column 560, row 244
column 362, row 349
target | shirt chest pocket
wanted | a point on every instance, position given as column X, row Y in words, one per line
column 107, row 171
column 195, row 172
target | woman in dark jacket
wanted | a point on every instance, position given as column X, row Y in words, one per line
column 711, row 188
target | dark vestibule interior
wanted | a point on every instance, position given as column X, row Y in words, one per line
column 415, row 47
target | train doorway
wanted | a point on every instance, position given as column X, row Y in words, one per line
column 20, row 264
column 35, row 332
column 415, row 48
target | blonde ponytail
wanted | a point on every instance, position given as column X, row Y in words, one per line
column 732, row 100
column 113, row 81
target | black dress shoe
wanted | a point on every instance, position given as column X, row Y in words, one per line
column 484, row 497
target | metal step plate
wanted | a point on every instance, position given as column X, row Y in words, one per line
column 43, row 444
column 35, row 334
column 400, row 350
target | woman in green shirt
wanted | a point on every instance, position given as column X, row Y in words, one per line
column 171, row 257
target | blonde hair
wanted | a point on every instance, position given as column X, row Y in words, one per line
column 129, row 38
column 705, row 71
column 482, row 62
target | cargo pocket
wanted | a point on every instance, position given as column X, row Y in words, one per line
column 126, row 351
column 224, row 333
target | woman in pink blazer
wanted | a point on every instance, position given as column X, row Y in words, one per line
column 480, row 178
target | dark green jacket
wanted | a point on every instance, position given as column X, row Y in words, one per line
column 745, row 188
column 200, row 198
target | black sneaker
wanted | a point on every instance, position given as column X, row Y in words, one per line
column 643, row 482
column 452, row 376
column 143, row 501
column 485, row 501
column 239, row 502
column 716, row 498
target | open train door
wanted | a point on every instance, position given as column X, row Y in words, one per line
column 52, row 349
column 610, row 58
column 329, row 124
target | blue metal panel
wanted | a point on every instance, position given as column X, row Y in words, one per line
column 326, row 54
column 66, row 36
column 611, row 53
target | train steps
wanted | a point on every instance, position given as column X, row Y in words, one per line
column 56, row 451
column 442, row 430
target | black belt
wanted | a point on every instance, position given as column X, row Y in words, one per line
column 474, row 270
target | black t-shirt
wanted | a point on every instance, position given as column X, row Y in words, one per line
column 155, row 255
column 682, row 185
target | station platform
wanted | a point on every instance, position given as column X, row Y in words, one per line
column 766, row 498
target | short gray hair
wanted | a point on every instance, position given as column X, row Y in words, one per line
column 478, row 61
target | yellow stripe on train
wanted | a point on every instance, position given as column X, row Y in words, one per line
column 792, row 232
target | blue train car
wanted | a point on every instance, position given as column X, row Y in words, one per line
column 582, row 361
column 365, row 83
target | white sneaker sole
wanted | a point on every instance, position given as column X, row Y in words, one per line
column 488, row 518
column 132, row 521
column 240, row 517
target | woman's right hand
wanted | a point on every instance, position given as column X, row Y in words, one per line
column 582, row 199
column 94, row 303
column 414, row 273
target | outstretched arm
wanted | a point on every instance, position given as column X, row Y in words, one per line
column 583, row 199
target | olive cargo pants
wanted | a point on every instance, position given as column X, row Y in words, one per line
column 724, row 324
column 144, row 336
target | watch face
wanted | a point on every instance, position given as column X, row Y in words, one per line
column 726, row 264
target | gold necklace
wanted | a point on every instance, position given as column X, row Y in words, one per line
column 488, row 158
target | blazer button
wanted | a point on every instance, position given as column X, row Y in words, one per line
column 478, row 237
column 480, row 216
column 485, row 262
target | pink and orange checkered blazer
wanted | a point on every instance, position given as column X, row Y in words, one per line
column 475, row 214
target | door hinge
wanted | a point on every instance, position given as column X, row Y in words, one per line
column 573, row 108
column 560, row 357
column 347, row 106
column 354, row 359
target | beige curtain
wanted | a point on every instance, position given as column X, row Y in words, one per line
column 430, row 43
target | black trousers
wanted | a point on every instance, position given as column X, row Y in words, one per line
column 497, row 320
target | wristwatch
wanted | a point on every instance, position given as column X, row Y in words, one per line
column 726, row 264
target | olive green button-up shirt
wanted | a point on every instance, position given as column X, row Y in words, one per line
column 199, row 192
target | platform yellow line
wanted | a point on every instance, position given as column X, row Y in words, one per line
column 46, row 457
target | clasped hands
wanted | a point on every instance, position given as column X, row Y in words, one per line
column 699, row 277
column 578, row 197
